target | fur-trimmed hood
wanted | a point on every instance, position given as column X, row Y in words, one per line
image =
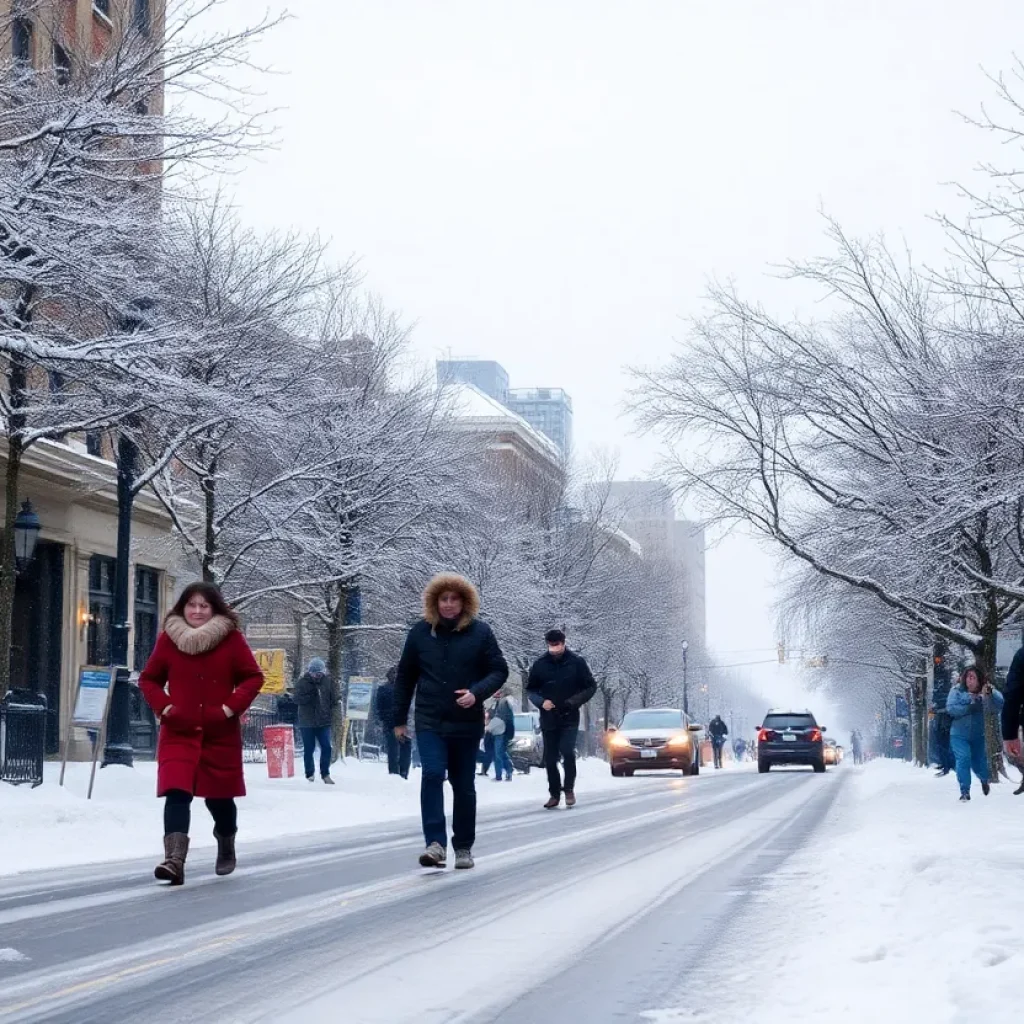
column 450, row 581
column 197, row 640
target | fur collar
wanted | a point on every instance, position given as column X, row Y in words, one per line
column 197, row 640
column 449, row 581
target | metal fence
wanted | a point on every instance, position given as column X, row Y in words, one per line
column 254, row 721
column 22, row 737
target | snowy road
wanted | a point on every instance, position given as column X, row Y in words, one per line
column 610, row 912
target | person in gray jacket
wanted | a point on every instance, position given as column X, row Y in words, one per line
column 317, row 696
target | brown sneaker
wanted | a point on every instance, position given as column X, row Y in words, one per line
column 552, row 803
column 570, row 798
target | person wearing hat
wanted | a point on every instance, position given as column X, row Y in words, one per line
column 559, row 684
column 317, row 696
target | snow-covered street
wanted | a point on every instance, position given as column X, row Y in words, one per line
column 868, row 893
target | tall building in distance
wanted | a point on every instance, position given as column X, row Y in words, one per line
column 548, row 410
column 484, row 374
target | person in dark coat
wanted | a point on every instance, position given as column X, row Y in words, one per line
column 718, row 731
column 199, row 680
column 1013, row 709
column 502, row 735
column 559, row 684
column 399, row 751
column 317, row 695
column 451, row 663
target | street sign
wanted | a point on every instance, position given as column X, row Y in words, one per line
column 273, row 665
column 90, row 710
column 360, row 693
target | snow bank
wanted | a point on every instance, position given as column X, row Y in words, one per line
column 52, row 827
column 906, row 908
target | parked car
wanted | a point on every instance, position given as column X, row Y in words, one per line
column 654, row 738
column 790, row 737
column 527, row 747
column 831, row 752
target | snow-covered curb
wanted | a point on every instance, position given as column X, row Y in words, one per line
column 51, row 827
column 906, row 908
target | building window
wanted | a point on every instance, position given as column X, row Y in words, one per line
column 94, row 444
column 147, row 613
column 101, row 609
column 21, row 40
column 141, row 16
column 61, row 64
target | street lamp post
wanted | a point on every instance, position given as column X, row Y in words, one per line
column 686, row 690
column 26, row 535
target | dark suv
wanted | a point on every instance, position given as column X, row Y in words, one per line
column 790, row 737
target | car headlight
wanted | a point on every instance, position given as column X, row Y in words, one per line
column 682, row 740
column 618, row 740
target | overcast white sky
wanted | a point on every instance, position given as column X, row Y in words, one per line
column 550, row 183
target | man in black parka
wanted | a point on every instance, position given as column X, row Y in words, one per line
column 560, row 683
column 451, row 663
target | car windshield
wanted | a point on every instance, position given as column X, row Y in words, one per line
column 653, row 720
column 790, row 722
column 524, row 723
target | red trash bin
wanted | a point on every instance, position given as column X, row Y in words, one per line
column 280, row 743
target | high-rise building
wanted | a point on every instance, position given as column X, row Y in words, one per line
column 548, row 410
column 646, row 510
column 486, row 375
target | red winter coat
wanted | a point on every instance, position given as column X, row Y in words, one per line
column 200, row 748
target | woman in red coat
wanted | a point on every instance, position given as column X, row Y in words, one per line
column 200, row 678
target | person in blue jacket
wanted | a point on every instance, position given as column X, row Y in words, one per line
column 968, row 704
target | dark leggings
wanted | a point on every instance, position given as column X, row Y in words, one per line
column 178, row 813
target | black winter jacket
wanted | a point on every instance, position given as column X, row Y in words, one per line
column 384, row 705
column 437, row 662
column 567, row 682
column 718, row 729
column 317, row 698
column 1013, row 694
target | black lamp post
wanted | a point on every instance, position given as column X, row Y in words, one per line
column 26, row 535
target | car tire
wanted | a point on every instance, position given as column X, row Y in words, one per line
column 628, row 772
column 616, row 772
column 819, row 767
column 764, row 766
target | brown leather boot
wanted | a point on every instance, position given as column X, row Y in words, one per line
column 570, row 798
column 552, row 803
column 172, row 868
column 226, row 862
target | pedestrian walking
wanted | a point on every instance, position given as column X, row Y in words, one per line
column 968, row 704
column 486, row 752
column 718, row 730
column 199, row 680
column 858, row 747
column 944, row 759
column 317, row 696
column 559, row 684
column 451, row 663
column 501, row 726
column 1013, row 712
column 399, row 750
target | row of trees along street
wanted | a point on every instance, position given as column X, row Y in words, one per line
column 254, row 386
column 880, row 449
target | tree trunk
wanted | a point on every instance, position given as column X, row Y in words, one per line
column 985, row 658
column 17, row 382
column 210, row 529
column 919, row 720
column 8, row 566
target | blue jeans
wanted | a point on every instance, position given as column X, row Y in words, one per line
column 456, row 757
column 501, row 758
column 311, row 735
column 969, row 753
